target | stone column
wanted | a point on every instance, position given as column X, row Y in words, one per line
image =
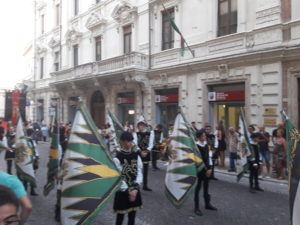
column 242, row 16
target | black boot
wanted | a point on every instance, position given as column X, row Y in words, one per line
column 198, row 212
column 33, row 193
column 57, row 213
column 209, row 206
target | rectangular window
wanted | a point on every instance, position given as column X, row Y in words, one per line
column 42, row 24
column 227, row 17
column 56, row 61
column 41, row 68
column 167, row 30
column 76, row 7
column 98, row 48
column 75, row 55
column 97, row 1
column 127, row 39
column 57, row 18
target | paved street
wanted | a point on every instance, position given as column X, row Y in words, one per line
column 235, row 204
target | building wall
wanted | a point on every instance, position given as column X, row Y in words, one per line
column 258, row 55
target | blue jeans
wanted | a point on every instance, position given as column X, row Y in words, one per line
column 232, row 157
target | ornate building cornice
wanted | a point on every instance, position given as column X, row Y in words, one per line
column 95, row 21
column 73, row 36
column 124, row 12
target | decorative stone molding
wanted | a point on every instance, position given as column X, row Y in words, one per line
column 53, row 43
column 124, row 12
column 73, row 36
column 139, row 78
column 223, row 71
column 95, row 21
column 40, row 5
column 250, row 41
column 41, row 49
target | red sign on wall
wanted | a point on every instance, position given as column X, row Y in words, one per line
column 226, row 96
column 125, row 100
column 171, row 98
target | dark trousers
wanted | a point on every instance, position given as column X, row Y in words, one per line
column 205, row 180
column 131, row 218
column 253, row 175
column 232, row 157
column 9, row 166
column 154, row 158
column 145, row 173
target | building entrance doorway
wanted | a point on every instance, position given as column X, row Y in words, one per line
column 98, row 108
column 228, row 115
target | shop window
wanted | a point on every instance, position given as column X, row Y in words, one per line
column 227, row 17
column 40, row 110
column 127, row 39
column 167, row 30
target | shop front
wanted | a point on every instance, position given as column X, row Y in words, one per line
column 126, row 108
column 166, row 107
column 226, row 102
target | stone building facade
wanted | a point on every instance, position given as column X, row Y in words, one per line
column 123, row 56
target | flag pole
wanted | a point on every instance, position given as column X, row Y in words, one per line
column 178, row 31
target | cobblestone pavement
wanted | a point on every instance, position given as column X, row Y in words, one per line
column 235, row 204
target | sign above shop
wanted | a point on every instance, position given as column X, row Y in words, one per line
column 170, row 98
column 126, row 100
column 226, row 96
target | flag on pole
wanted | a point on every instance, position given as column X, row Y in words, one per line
column 55, row 153
column 184, row 164
column 90, row 175
column 24, row 155
column 182, row 39
column 293, row 164
column 245, row 148
column 116, row 129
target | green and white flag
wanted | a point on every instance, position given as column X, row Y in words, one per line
column 90, row 175
column 293, row 165
column 24, row 155
column 53, row 165
column 245, row 148
column 116, row 130
column 184, row 164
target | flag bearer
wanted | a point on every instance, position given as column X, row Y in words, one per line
column 204, row 175
column 144, row 140
column 128, row 199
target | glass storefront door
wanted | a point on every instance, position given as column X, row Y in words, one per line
column 229, row 114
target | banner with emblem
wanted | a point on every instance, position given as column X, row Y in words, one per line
column 24, row 155
column 293, row 165
column 184, row 164
column 55, row 153
column 116, row 129
column 90, row 177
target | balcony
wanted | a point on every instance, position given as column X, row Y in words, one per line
column 103, row 68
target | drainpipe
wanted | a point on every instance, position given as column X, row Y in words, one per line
column 150, row 33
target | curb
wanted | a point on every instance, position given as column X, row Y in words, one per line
column 271, row 180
